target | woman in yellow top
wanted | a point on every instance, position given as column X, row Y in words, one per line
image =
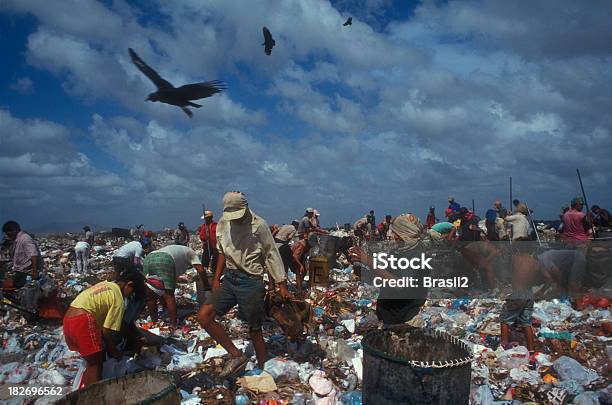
column 95, row 315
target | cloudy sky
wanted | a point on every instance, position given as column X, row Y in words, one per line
column 413, row 102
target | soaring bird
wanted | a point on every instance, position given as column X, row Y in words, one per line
column 269, row 42
column 179, row 96
column 349, row 21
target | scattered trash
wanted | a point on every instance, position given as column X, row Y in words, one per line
column 258, row 383
column 315, row 345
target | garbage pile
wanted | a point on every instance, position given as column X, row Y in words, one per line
column 320, row 362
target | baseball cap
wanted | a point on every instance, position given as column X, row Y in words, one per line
column 206, row 214
column 234, row 205
column 309, row 210
column 316, row 213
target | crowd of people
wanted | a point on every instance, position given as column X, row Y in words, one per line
column 240, row 249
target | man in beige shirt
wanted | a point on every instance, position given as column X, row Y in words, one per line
column 246, row 250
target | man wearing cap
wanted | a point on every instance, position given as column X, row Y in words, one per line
column 246, row 250
column 167, row 264
column 519, row 222
column 306, row 225
column 181, row 236
column 208, row 236
column 315, row 219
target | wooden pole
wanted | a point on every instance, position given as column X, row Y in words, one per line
column 586, row 204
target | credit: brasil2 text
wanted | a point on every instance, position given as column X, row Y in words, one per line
column 428, row 282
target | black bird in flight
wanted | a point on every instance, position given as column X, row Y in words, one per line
column 349, row 21
column 179, row 96
column 269, row 42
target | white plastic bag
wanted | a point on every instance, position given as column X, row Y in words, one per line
column 278, row 367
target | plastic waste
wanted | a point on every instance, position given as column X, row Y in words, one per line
column 51, row 377
column 572, row 387
column 543, row 359
column 351, row 398
column 587, row 398
column 253, row 371
column 242, row 400
column 6, row 369
column 549, row 334
column 320, row 384
column 514, row 358
column 185, row 361
column 522, row 376
column 350, row 382
column 483, row 396
column 76, row 383
column 569, row 369
column 43, row 353
column 19, row 375
column 12, row 346
column 305, row 370
column 299, row 398
column 278, row 367
column 349, row 324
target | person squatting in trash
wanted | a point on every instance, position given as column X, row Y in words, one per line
column 25, row 255
column 392, row 306
column 246, row 250
column 94, row 318
column 167, row 264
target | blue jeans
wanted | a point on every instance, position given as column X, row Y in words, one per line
column 242, row 289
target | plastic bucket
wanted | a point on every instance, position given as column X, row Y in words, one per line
column 407, row 365
column 148, row 387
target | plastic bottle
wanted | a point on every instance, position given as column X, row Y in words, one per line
column 351, row 398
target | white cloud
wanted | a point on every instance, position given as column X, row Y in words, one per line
column 23, row 85
column 454, row 99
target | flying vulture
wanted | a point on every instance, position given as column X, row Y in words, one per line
column 269, row 42
column 179, row 96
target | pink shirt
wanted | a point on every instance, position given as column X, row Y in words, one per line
column 573, row 226
column 24, row 249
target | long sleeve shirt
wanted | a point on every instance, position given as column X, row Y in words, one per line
column 250, row 247
column 520, row 225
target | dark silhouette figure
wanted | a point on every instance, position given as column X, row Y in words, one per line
column 349, row 21
column 269, row 42
column 179, row 96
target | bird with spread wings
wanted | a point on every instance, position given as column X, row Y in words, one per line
column 178, row 96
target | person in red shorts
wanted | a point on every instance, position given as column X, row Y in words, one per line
column 94, row 317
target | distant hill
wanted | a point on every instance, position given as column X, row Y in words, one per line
column 63, row 227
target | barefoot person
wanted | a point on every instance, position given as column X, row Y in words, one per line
column 246, row 250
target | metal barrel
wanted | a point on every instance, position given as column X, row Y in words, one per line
column 406, row 365
column 148, row 387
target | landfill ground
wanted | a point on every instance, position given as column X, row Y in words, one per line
column 325, row 365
